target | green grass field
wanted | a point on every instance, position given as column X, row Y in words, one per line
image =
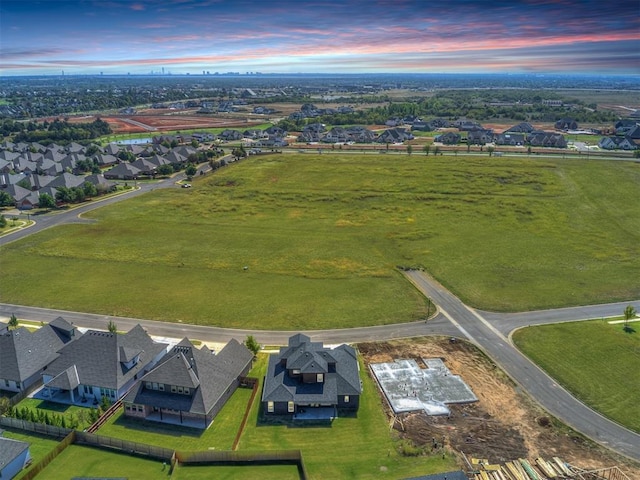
column 322, row 235
column 81, row 461
column 263, row 472
column 596, row 361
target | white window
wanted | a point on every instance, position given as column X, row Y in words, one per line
column 270, row 407
column 296, row 372
column 291, row 407
column 173, row 389
column 161, row 387
column 186, row 390
column 147, row 385
column 180, row 390
column 346, row 399
column 320, row 377
column 155, row 385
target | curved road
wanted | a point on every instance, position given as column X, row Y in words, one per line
column 489, row 331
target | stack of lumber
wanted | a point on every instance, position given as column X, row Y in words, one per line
column 522, row 469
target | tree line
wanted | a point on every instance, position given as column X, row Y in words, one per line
column 58, row 131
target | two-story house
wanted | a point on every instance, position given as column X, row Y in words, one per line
column 306, row 376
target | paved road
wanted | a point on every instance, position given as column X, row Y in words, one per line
column 525, row 373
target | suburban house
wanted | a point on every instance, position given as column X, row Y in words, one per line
column 509, row 138
column 394, row 135
column 24, row 355
column 523, row 127
column 189, row 385
column 617, row 143
column 566, row 124
column 479, row 137
column 123, row 171
column 100, row 365
column 546, row 139
column 449, row 138
column 14, row 456
column 307, row 378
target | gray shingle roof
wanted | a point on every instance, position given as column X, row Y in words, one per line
column 208, row 375
column 98, row 360
column 24, row 353
column 10, row 449
column 339, row 366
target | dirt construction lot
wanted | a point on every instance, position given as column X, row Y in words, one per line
column 503, row 425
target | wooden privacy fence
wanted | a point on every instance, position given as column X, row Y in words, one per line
column 254, row 384
column 125, row 446
column 41, row 428
column 42, row 464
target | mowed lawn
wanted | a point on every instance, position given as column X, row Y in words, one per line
column 81, row 461
column 321, row 236
column 597, row 361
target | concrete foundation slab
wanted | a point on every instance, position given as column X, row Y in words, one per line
column 408, row 387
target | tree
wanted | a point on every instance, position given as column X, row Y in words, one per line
column 13, row 321
column 112, row 327
column 46, row 201
column 436, row 151
column 409, row 149
column 252, row 344
column 191, row 170
column 6, row 200
column 3, row 221
column 164, row 170
column 426, row 149
column 629, row 313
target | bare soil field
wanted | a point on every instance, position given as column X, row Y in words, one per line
column 503, row 425
column 163, row 123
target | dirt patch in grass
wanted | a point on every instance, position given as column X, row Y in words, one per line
column 502, row 426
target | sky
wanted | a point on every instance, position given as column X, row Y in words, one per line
column 319, row 36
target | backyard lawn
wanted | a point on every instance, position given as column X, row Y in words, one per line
column 313, row 241
column 597, row 361
column 81, row 461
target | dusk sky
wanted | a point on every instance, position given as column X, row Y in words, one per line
column 322, row 36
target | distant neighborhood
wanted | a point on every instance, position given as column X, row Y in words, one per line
column 29, row 171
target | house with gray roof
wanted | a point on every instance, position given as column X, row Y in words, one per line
column 122, row 171
column 190, row 385
column 24, row 355
column 305, row 377
column 101, row 364
column 14, row 456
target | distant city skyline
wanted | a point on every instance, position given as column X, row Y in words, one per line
column 48, row 37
